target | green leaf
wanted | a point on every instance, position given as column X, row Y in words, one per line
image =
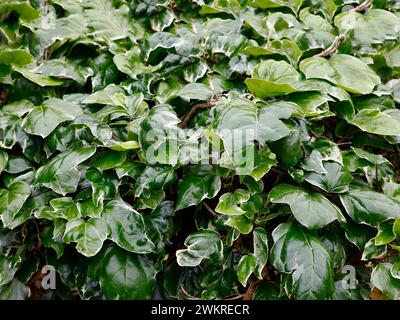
column 193, row 91
column 246, row 267
column 229, row 203
column 369, row 207
column 106, row 23
column 267, row 290
column 126, row 276
column 62, row 69
column 16, row 57
column 396, row 228
column 159, row 135
column 239, row 123
column 24, row 10
column 326, row 7
column 109, row 160
column 385, row 25
column 359, row 234
column 12, row 200
column 130, row 62
column 385, row 233
column 382, row 279
column 261, row 250
column 201, row 245
column 199, row 182
column 300, row 253
column 89, row 235
column 7, row 271
column 18, row 108
column 372, row 251
column 65, row 208
column 154, row 177
column 127, row 227
column 395, row 270
column 373, row 158
column 43, row 119
column 266, row 4
column 312, row 210
column 17, row 165
column 377, row 122
column 195, row 71
column 240, row 223
column 336, row 179
column 15, row 290
column 159, row 224
column 103, row 185
column 345, row 71
column 39, row 79
column 3, row 160
column 272, row 78
column 60, row 173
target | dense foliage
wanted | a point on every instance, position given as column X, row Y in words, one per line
column 124, row 162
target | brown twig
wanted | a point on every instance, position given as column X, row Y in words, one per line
column 213, row 213
column 331, row 50
column 237, row 297
column 206, row 105
column 250, row 290
column 276, row 170
column 365, row 6
column 188, row 295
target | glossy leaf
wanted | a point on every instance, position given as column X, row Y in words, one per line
column 200, row 245
column 127, row 227
column 312, row 210
column 345, row 71
column 198, row 183
column 370, row 207
column 89, row 235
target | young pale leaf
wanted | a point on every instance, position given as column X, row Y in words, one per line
column 16, row 57
column 385, row 233
column 201, row 245
column 246, row 267
column 372, row 251
column 241, row 223
column 261, row 250
column 229, row 203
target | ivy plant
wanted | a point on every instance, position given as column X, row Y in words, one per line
column 200, row 149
